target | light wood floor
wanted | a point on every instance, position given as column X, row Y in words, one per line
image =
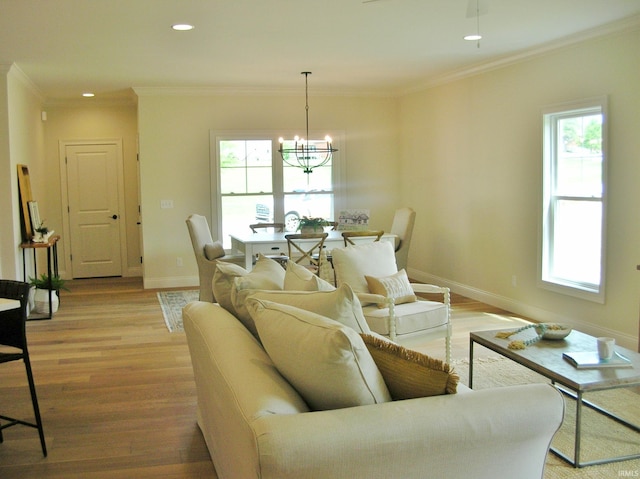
column 116, row 389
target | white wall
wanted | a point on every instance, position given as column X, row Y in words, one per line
column 174, row 159
column 475, row 180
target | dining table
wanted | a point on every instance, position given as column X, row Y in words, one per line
column 251, row 244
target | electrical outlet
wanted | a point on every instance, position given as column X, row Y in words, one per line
column 166, row 204
column 179, row 261
column 514, row 281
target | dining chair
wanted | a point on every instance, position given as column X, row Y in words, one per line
column 207, row 253
column 375, row 235
column 402, row 227
column 271, row 227
column 13, row 334
column 303, row 246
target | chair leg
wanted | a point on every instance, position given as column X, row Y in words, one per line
column 34, row 400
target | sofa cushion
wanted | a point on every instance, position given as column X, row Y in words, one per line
column 213, row 250
column 266, row 274
column 375, row 259
column 325, row 361
column 341, row 304
column 409, row 374
column 299, row 278
column 396, row 286
column 420, row 315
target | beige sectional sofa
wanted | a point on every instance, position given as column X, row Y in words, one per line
column 256, row 425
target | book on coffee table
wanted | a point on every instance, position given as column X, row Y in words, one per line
column 590, row 359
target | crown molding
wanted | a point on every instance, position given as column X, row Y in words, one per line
column 142, row 91
column 614, row 28
column 22, row 77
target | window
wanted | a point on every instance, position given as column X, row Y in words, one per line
column 574, row 200
column 254, row 186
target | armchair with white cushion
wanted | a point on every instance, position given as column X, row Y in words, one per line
column 389, row 300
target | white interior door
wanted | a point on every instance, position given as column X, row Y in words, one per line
column 94, row 217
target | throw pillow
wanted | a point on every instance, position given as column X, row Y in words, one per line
column 222, row 282
column 266, row 274
column 352, row 263
column 214, row 250
column 299, row 278
column 396, row 286
column 341, row 305
column 409, row 374
column 325, row 361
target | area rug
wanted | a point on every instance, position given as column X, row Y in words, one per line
column 172, row 303
column 601, row 437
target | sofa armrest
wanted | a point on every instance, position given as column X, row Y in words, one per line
column 501, row 432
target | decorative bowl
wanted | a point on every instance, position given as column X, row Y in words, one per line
column 554, row 331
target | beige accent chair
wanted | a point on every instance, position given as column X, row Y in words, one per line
column 417, row 317
column 208, row 253
column 402, row 227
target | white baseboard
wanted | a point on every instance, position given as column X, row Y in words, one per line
column 527, row 310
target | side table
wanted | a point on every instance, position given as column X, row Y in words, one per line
column 52, row 256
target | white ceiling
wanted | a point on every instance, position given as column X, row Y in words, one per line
column 66, row 47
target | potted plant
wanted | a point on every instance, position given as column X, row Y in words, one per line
column 41, row 297
column 312, row 225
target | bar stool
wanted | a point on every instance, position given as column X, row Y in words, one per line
column 13, row 334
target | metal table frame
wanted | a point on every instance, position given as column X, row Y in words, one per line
column 52, row 257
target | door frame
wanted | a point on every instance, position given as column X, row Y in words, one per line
column 64, row 192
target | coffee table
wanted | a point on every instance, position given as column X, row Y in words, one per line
column 545, row 358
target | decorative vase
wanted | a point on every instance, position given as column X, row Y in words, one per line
column 41, row 301
column 310, row 229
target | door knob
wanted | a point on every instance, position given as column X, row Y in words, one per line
column 115, row 217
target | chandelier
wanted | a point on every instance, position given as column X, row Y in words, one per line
column 307, row 154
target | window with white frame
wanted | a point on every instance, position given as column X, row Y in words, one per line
column 574, row 199
column 254, row 186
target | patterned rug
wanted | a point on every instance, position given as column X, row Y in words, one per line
column 601, row 437
column 172, row 303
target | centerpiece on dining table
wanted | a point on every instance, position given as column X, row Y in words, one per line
column 312, row 225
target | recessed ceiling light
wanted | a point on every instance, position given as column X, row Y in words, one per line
column 473, row 38
column 88, row 95
column 182, row 27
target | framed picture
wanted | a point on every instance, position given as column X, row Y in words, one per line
column 34, row 215
column 353, row 220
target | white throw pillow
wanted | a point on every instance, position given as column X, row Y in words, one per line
column 266, row 274
column 325, row 361
column 352, row 263
column 299, row 278
column 396, row 286
column 222, row 282
column 341, row 305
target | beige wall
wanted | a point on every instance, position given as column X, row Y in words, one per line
column 475, row 180
column 93, row 122
column 174, row 160
column 23, row 144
